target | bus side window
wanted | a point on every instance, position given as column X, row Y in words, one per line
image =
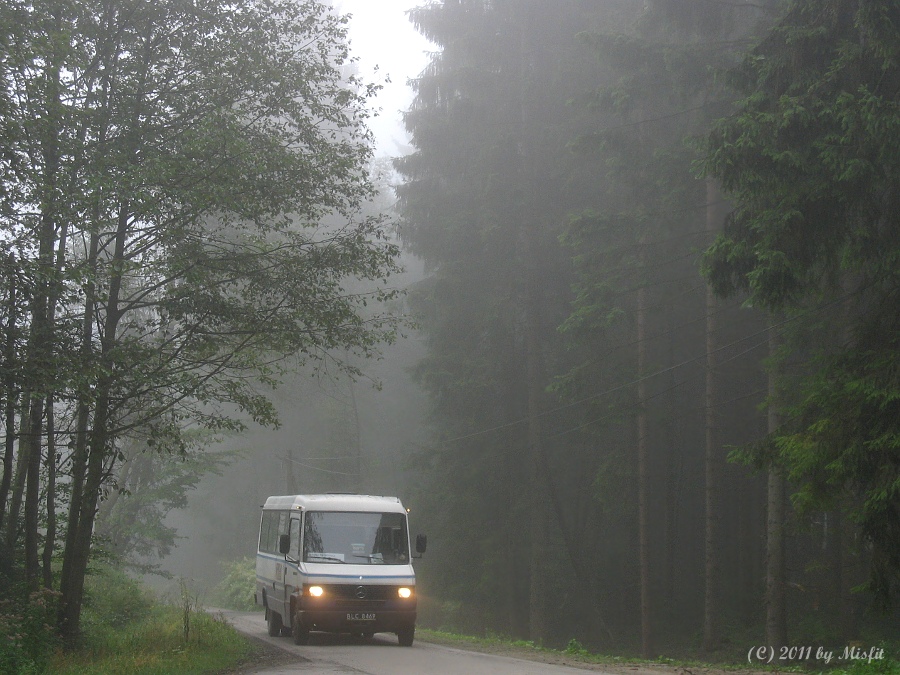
column 295, row 539
column 263, row 531
column 268, row 534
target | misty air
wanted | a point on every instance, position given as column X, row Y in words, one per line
column 449, row 336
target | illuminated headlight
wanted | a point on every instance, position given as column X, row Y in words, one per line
column 316, row 591
column 404, row 592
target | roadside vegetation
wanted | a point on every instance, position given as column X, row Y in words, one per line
column 735, row 659
column 235, row 590
column 126, row 630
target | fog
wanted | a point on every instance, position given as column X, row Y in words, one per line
column 574, row 280
column 335, row 435
column 575, row 418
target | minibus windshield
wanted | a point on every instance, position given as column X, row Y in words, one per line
column 335, row 537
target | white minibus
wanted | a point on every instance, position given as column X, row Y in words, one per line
column 337, row 563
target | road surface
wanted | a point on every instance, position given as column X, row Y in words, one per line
column 326, row 654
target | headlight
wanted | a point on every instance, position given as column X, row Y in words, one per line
column 316, row 591
column 404, row 592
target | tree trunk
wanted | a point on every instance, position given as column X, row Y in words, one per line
column 289, row 476
column 776, row 626
column 50, row 537
column 40, row 342
column 713, row 464
column 80, row 451
column 674, row 470
column 540, row 504
column 9, row 386
column 357, row 438
column 33, row 495
column 102, row 524
column 18, row 488
column 528, row 221
column 83, row 512
column 834, row 576
column 643, row 463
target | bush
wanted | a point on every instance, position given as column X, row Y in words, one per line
column 111, row 598
column 27, row 632
column 151, row 639
column 237, row 588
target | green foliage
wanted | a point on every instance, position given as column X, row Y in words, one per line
column 149, row 484
column 28, row 637
column 155, row 645
column 185, row 206
column 237, row 587
column 575, row 648
column 812, row 161
column 128, row 632
column 112, row 598
column 889, row 664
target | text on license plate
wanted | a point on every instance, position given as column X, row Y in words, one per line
column 360, row 616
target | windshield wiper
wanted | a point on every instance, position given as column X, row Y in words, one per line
column 370, row 556
column 317, row 558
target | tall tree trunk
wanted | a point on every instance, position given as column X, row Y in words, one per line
column 97, row 450
column 80, row 451
column 17, row 494
column 289, row 476
column 10, row 387
column 72, row 586
column 712, row 543
column 776, row 625
column 674, row 468
column 357, row 438
column 50, row 537
column 834, row 573
column 540, row 503
column 33, row 495
column 40, row 342
column 513, row 487
column 103, row 524
column 643, row 463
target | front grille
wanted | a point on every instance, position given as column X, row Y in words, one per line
column 361, row 592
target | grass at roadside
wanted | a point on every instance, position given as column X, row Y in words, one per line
column 125, row 631
column 886, row 661
column 156, row 644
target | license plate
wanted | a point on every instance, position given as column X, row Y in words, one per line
column 361, row 616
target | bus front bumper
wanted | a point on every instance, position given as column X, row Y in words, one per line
column 354, row 620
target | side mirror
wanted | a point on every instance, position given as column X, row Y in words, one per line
column 421, row 543
column 284, row 544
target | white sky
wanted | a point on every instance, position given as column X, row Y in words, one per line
column 382, row 36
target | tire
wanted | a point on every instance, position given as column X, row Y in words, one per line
column 299, row 632
column 273, row 623
column 405, row 636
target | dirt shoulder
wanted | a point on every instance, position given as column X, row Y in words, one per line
column 264, row 656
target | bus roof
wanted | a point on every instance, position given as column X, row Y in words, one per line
column 336, row 502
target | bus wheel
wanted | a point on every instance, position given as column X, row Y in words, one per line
column 405, row 636
column 300, row 632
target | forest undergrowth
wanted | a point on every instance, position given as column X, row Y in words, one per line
column 126, row 630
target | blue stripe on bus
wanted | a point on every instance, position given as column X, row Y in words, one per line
column 338, row 576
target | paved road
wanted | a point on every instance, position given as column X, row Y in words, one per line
column 381, row 655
